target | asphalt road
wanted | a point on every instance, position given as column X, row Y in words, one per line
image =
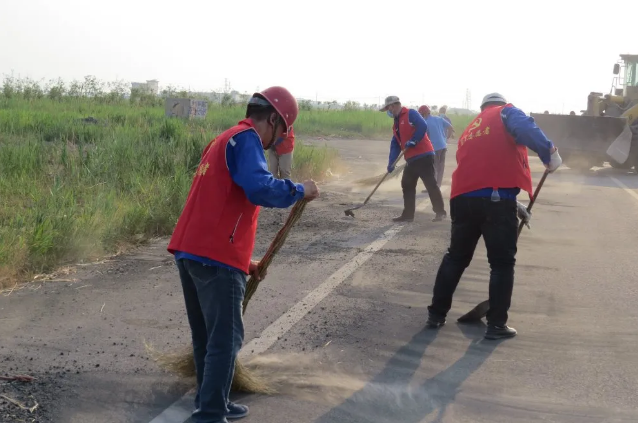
column 351, row 346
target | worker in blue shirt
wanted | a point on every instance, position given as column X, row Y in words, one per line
column 410, row 135
column 439, row 130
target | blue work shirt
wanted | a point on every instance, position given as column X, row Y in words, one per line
column 420, row 129
column 444, row 116
column 248, row 168
column 527, row 133
column 437, row 131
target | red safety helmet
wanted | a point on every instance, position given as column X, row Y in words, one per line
column 424, row 109
column 283, row 102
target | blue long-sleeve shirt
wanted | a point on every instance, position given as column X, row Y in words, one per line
column 248, row 168
column 420, row 129
column 437, row 131
column 527, row 133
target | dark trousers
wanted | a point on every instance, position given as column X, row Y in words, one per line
column 423, row 168
column 498, row 223
column 213, row 297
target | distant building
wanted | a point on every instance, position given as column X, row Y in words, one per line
column 151, row 86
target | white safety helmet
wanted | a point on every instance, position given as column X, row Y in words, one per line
column 493, row 98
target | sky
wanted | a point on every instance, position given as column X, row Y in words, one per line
column 541, row 55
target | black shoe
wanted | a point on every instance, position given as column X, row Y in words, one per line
column 439, row 217
column 499, row 332
column 435, row 322
column 403, row 218
column 236, row 411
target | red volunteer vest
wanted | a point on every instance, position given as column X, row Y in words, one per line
column 405, row 132
column 218, row 221
column 488, row 157
column 287, row 145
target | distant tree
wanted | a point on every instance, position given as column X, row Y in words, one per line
column 351, row 105
column 55, row 89
column 305, row 105
column 227, row 100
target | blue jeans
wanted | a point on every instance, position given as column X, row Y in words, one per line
column 214, row 297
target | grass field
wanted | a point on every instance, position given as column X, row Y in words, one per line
column 73, row 190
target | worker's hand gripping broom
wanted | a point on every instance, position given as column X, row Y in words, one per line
column 183, row 364
column 480, row 311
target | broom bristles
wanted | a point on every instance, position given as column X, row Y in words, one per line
column 247, row 381
column 182, row 362
column 373, row 180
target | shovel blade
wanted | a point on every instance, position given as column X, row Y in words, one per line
column 476, row 314
column 350, row 211
column 619, row 149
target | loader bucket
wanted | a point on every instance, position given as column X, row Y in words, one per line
column 584, row 141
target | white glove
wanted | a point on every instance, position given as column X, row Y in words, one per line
column 523, row 214
column 554, row 162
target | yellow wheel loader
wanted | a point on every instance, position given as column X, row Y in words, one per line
column 607, row 131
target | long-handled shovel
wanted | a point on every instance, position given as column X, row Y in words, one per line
column 349, row 212
column 480, row 311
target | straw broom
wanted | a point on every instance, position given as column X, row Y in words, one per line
column 373, row 180
column 183, row 364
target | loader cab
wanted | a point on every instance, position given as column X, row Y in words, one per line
column 628, row 77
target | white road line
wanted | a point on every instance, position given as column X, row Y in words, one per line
column 625, row 187
column 180, row 411
column 282, row 325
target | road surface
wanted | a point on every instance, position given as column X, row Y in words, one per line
column 351, row 345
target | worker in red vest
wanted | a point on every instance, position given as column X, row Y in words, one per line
column 410, row 135
column 492, row 168
column 280, row 157
column 214, row 239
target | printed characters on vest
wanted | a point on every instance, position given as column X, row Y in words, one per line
column 492, row 169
